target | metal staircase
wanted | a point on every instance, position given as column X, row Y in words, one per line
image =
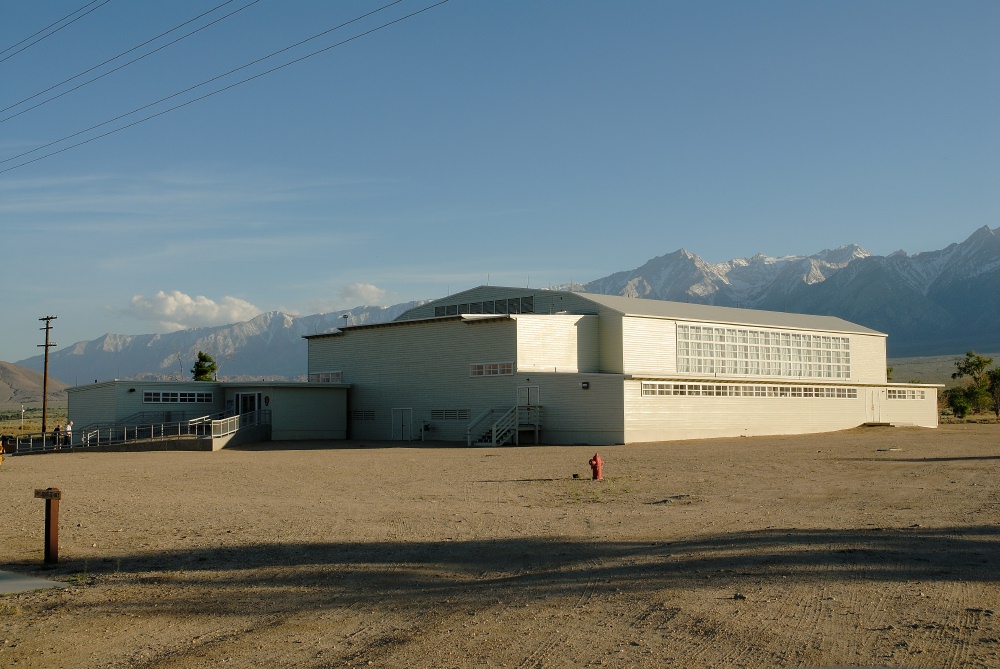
column 505, row 427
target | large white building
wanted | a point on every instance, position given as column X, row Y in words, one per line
column 496, row 365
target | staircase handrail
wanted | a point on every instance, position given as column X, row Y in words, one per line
column 471, row 429
column 505, row 426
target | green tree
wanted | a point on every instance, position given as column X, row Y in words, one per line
column 993, row 388
column 974, row 397
column 973, row 366
column 958, row 401
column 205, row 368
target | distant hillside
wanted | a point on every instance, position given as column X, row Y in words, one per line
column 931, row 369
column 269, row 346
column 19, row 385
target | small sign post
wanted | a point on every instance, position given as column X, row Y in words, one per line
column 51, row 497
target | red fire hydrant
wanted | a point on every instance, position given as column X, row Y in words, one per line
column 597, row 466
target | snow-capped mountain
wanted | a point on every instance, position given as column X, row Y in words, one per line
column 932, row 303
column 937, row 302
column 682, row 276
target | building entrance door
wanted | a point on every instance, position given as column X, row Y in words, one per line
column 402, row 424
column 873, row 412
column 247, row 402
column 527, row 396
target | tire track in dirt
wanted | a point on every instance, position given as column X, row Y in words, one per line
column 962, row 628
column 556, row 637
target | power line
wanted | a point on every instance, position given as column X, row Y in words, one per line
column 77, row 76
column 28, row 46
column 220, row 90
column 181, row 92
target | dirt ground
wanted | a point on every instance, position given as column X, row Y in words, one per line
column 871, row 547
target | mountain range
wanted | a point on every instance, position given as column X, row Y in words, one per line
column 932, row 303
column 937, row 302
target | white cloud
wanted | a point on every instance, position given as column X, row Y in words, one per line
column 358, row 294
column 178, row 311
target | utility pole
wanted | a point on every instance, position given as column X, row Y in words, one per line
column 45, row 376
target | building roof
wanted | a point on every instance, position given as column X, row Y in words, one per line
column 626, row 306
column 634, row 306
column 465, row 318
column 640, row 307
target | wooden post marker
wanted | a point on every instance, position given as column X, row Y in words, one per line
column 51, row 497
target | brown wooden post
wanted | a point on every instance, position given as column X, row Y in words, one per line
column 51, row 497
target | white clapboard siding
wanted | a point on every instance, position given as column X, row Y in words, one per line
column 557, row 343
column 420, row 366
column 574, row 414
column 649, row 345
column 92, row 404
column 612, row 343
column 302, row 413
column 868, row 360
column 919, row 412
column 658, row 418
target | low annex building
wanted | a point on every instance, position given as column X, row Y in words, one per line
column 496, row 365
column 290, row 411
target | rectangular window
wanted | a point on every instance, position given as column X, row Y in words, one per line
column 700, row 350
column 491, row 369
column 901, row 394
column 657, row 388
column 165, row 397
column 362, row 414
column 326, row 377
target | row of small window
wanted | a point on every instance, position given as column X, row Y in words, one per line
column 491, row 369
column 733, row 390
column 755, row 352
column 326, row 377
column 161, row 397
column 513, row 305
column 763, row 368
column 707, row 333
column 900, row 394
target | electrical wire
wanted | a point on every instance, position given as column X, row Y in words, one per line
column 207, row 95
column 48, row 26
column 120, row 67
column 5, row 58
column 123, row 53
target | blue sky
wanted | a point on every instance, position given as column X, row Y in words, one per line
column 520, row 143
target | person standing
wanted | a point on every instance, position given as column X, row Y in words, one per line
column 69, row 433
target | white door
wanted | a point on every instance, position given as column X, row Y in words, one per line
column 527, row 396
column 873, row 412
column 402, row 424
